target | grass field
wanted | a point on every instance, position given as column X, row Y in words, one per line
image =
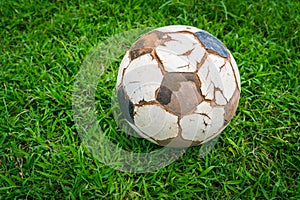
column 43, row 44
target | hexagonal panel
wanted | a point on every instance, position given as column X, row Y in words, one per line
column 142, row 78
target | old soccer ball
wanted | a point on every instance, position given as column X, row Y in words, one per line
column 178, row 86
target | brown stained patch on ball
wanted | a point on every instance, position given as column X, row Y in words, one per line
column 179, row 93
column 231, row 106
column 139, row 52
column 147, row 43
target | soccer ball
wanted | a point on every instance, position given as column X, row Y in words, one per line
column 178, row 86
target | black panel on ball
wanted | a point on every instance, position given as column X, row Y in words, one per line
column 126, row 106
column 212, row 43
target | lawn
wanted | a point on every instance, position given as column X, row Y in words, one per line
column 43, row 45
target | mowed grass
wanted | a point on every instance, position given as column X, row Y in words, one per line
column 43, row 44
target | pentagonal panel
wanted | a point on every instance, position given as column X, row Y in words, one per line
column 212, row 43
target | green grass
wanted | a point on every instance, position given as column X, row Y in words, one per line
column 43, row 44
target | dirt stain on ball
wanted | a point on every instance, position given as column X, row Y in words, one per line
column 147, row 43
